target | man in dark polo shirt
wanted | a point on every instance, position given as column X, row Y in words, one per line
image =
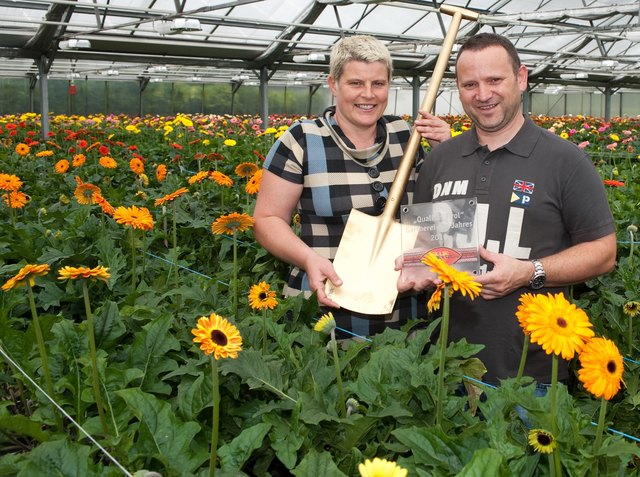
column 542, row 210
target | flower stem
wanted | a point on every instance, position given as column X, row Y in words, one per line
column 94, row 359
column 264, row 331
column 523, row 357
column 235, row 273
column 216, row 417
column 554, row 412
column 133, row 261
column 442, row 340
column 42, row 350
column 600, row 428
column 336, row 362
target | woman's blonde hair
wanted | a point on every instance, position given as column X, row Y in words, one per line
column 358, row 48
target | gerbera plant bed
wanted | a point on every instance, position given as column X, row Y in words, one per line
column 142, row 329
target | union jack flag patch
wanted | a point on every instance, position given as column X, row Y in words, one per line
column 523, row 186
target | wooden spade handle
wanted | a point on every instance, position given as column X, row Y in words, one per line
column 406, row 163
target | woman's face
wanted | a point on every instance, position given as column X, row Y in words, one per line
column 361, row 93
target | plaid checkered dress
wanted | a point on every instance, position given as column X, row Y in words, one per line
column 336, row 179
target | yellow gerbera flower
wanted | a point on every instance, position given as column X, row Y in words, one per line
column 217, row 336
column 86, row 193
column 73, row 273
column 381, row 468
column 557, row 325
column 261, row 297
column 16, row 199
column 253, row 185
column 27, row 274
column 170, row 197
column 22, row 149
column 326, row 324
column 230, row 142
column 230, row 223
column 221, row 179
column 602, row 368
column 9, row 182
column 436, row 297
column 525, row 300
column 542, row 441
column 246, row 169
column 62, row 166
column 459, row 281
column 137, row 217
column 631, row 308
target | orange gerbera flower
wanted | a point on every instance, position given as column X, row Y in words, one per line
column 198, row 177
column 262, row 297
column 136, row 165
column 78, row 160
column 136, row 217
column 27, row 274
column 108, row 162
column 161, row 172
column 62, row 166
column 45, row 153
column 246, row 169
column 218, row 337
column 221, row 179
column 73, row 273
column 521, row 313
column 16, row 199
column 104, row 204
column 86, row 193
column 231, row 223
column 253, row 185
column 602, row 368
column 170, row 197
column 9, row 182
column 22, row 149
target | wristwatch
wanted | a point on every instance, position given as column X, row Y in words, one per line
column 538, row 278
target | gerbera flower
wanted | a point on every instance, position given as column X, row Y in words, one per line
column 9, row 182
column 16, row 199
column 73, row 273
column 246, row 169
column 62, row 166
column 104, row 204
column 103, row 150
column 217, row 336
column 136, row 217
column 602, row 367
column 45, row 153
column 85, row 193
column 631, row 308
column 27, row 274
column 230, row 223
column 161, row 172
column 557, row 325
column 78, row 160
column 326, row 324
column 542, row 441
column 253, row 185
column 198, row 177
column 136, row 165
column 221, row 179
column 170, row 197
column 108, row 162
column 521, row 313
column 82, row 143
column 613, row 183
column 261, row 297
column 22, row 149
column 381, row 468
column 230, row 142
column 436, row 297
column 459, row 281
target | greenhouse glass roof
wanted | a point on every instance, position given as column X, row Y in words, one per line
column 575, row 43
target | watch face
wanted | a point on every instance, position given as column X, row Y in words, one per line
column 537, row 282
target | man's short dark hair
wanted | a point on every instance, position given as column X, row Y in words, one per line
column 485, row 40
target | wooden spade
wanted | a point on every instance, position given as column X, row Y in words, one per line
column 370, row 244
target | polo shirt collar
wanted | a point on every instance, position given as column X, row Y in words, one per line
column 522, row 143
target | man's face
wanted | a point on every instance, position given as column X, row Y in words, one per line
column 489, row 89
